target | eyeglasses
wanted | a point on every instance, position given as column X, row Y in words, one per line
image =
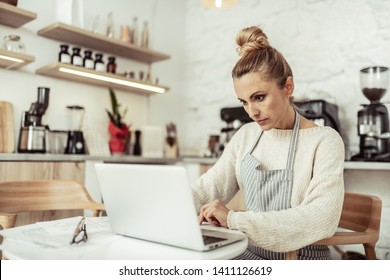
column 80, row 233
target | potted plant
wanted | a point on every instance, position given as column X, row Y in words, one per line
column 118, row 129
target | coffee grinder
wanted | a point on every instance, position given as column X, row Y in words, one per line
column 32, row 136
column 373, row 119
column 75, row 142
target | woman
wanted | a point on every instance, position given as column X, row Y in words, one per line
column 290, row 170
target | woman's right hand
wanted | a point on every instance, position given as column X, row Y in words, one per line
column 215, row 213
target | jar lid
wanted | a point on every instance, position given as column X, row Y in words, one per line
column 12, row 37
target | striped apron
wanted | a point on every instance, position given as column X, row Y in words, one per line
column 270, row 190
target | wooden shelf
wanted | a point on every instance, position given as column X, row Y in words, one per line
column 12, row 60
column 80, row 74
column 13, row 16
column 81, row 37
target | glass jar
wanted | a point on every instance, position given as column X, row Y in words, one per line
column 76, row 58
column 88, row 60
column 12, row 43
column 64, row 56
column 111, row 65
column 99, row 63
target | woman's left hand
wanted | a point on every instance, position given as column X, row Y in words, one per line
column 215, row 213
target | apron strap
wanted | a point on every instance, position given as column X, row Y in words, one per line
column 255, row 143
column 293, row 143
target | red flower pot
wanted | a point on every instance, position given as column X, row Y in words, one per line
column 118, row 138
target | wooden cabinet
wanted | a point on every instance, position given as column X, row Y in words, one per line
column 15, row 170
column 80, row 37
column 20, row 171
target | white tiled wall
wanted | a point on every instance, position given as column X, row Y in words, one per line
column 326, row 42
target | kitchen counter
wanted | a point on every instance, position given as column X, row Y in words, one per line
column 356, row 165
column 113, row 158
column 78, row 158
column 365, row 165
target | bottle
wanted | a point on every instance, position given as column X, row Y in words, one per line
column 88, row 60
column 99, row 63
column 111, row 65
column 110, row 26
column 145, row 36
column 137, row 151
column 95, row 25
column 149, row 75
column 76, row 58
column 134, row 32
column 64, row 56
column 125, row 33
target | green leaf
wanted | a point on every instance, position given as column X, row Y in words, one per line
column 116, row 116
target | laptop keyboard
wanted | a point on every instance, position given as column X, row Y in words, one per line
column 211, row 239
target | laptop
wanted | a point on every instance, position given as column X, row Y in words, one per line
column 155, row 203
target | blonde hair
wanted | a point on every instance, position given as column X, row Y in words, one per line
column 257, row 55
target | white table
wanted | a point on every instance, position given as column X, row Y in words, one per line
column 30, row 243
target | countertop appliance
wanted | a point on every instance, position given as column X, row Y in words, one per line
column 75, row 142
column 320, row 112
column 373, row 119
column 32, row 136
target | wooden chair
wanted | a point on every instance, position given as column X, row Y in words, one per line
column 361, row 216
column 6, row 220
column 43, row 195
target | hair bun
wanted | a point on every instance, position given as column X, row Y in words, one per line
column 251, row 39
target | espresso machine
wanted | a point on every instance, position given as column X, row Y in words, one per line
column 373, row 118
column 234, row 117
column 32, row 136
column 320, row 112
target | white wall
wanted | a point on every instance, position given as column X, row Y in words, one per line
column 20, row 86
column 326, row 43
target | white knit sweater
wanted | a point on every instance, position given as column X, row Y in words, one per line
column 317, row 193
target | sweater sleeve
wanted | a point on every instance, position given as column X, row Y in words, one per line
column 314, row 218
column 220, row 181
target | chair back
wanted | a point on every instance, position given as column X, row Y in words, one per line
column 45, row 195
column 361, row 217
column 361, row 212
